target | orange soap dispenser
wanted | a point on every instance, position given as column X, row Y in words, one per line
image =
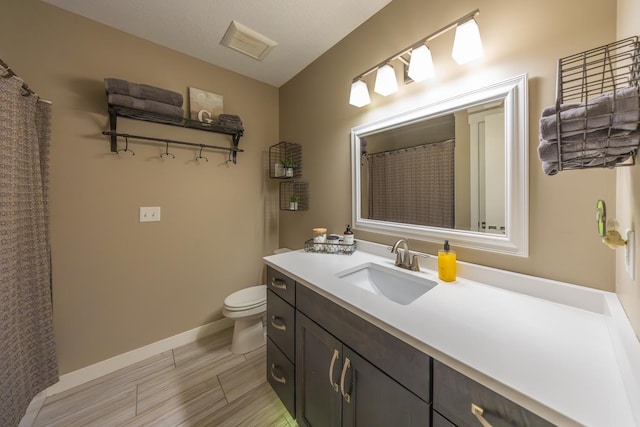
column 446, row 263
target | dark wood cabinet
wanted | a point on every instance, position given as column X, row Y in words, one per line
column 335, row 386
column 332, row 367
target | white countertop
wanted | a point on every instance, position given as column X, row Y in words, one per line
column 573, row 363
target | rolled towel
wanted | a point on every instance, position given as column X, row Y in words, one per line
column 146, row 105
column 142, row 91
column 601, row 112
column 602, row 142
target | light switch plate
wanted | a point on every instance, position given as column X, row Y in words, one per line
column 150, row 214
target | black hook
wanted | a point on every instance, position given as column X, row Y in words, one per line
column 126, row 147
column 167, row 153
column 200, row 156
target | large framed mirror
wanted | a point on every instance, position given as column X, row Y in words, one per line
column 455, row 169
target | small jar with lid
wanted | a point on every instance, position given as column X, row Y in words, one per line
column 319, row 238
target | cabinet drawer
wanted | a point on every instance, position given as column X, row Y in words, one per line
column 454, row 393
column 406, row 364
column 282, row 285
column 281, row 376
column 281, row 324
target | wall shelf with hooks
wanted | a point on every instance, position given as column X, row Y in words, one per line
column 132, row 113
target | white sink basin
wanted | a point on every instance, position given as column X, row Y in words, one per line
column 398, row 286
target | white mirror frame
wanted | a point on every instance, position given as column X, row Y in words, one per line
column 515, row 241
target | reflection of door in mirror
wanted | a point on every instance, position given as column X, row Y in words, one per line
column 487, row 168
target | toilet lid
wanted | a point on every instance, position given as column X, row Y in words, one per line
column 247, row 297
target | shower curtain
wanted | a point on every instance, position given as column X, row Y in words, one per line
column 414, row 185
column 28, row 361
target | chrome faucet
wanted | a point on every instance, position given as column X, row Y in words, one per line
column 406, row 259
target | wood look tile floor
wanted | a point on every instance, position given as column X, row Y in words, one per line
column 199, row 384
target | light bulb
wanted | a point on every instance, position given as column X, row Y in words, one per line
column 421, row 64
column 386, row 82
column 359, row 94
column 467, row 45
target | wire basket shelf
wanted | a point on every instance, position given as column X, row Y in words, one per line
column 594, row 122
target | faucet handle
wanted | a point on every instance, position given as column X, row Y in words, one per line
column 415, row 265
column 398, row 258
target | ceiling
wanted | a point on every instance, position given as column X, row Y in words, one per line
column 303, row 29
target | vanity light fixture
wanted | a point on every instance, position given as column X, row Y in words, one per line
column 467, row 46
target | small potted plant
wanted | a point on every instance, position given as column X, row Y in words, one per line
column 293, row 202
column 288, row 164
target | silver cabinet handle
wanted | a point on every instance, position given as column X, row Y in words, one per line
column 478, row 411
column 280, row 325
column 279, row 284
column 281, row 380
column 345, row 367
column 336, row 356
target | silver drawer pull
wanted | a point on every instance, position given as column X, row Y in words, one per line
column 336, row 356
column 345, row 367
column 281, row 380
column 478, row 411
column 279, row 284
column 280, row 325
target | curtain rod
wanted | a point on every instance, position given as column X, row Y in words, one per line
column 8, row 72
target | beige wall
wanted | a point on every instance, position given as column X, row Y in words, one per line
column 119, row 284
column 519, row 37
column 628, row 191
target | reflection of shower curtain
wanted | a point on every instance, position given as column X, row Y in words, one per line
column 28, row 362
column 413, row 185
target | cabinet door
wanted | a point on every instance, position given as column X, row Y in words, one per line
column 318, row 367
column 372, row 399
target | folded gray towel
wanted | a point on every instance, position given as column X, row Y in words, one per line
column 602, row 112
column 229, row 118
column 146, row 105
column 600, row 142
column 142, row 91
column 551, row 168
column 231, row 121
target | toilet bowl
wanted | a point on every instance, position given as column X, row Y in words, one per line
column 246, row 307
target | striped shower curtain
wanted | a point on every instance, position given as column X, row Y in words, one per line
column 414, row 185
column 28, row 361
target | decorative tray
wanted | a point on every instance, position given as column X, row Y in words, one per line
column 339, row 248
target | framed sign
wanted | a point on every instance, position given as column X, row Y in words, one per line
column 204, row 106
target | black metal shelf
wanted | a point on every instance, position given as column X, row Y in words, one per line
column 132, row 113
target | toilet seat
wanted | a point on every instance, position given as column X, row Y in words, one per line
column 246, row 299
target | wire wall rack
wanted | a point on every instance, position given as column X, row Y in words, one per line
column 594, row 122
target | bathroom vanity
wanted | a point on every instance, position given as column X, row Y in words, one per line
column 459, row 354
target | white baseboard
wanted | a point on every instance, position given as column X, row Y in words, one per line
column 33, row 409
column 91, row 372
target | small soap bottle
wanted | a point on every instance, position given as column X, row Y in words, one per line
column 446, row 263
column 348, row 235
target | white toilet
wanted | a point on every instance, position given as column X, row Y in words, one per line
column 247, row 307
